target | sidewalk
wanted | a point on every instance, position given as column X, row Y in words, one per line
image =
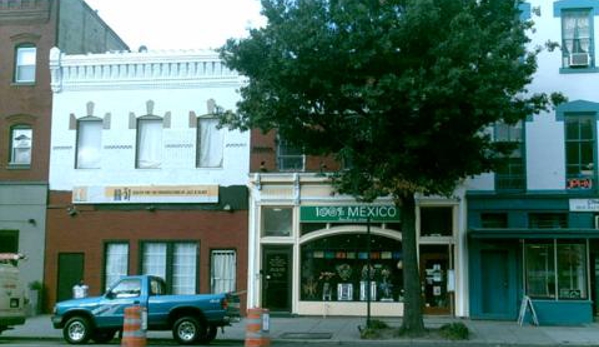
column 338, row 330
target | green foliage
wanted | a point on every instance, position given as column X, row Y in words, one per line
column 36, row 285
column 376, row 83
column 455, row 331
column 404, row 90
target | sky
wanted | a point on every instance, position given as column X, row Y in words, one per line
column 179, row 24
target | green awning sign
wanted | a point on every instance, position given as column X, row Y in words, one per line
column 353, row 213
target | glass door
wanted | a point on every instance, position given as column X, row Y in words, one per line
column 434, row 266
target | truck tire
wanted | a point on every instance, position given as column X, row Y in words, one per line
column 77, row 331
column 209, row 336
column 103, row 336
column 187, row 330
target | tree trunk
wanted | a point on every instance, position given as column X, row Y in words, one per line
column 413, row 324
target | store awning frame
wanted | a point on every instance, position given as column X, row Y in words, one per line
column 524, row 233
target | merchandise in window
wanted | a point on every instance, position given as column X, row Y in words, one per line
column 20, row 150
column 336, row 268
column 25, row 64
column 210, row 143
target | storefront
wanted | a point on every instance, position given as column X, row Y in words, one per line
column 313, row 252
column 545, row 252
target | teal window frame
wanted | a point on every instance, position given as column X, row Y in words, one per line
column 568, row 6
column 580, row 139
column 572, row 109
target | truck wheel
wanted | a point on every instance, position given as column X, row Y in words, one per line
column 210, row 335
column 103, row 336
column 77, row 330
column 187, row 330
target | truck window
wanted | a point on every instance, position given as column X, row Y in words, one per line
column 157, row 287
column 128, row 288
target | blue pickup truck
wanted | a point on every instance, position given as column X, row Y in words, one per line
column 192, row 318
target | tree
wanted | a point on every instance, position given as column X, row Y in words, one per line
column 401, row 89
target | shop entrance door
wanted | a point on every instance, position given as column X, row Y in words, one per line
column 495, row 283
column 433, row 274
column 276, row 278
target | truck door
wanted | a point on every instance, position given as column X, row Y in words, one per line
column 111, row 310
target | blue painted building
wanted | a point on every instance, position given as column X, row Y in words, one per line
column 532, row 227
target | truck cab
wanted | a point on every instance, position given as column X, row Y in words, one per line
column 13, row 300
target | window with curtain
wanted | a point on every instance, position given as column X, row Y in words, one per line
column 175, row 262
column 223, row 271
column 20, row 145
column 577, row 39
column 89, row 143
column 117, row 262
column 149, row 143
column 154, row 259
column 209, row 143
column 580, row 151
column 511, row 174
column 25, row 64
column 184, row 268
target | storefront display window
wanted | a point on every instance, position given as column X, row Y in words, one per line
column 336, row 269
column 571, row 270
column 540, row 270
column 277, row 221
column 556, row 269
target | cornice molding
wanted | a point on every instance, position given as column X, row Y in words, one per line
column 140, row 70
column 24, row 11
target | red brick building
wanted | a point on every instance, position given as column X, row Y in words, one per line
column 28, row 30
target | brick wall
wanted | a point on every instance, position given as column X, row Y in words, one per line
column 88, row 231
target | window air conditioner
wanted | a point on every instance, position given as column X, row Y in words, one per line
column 596, row 221
column 580, row 59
